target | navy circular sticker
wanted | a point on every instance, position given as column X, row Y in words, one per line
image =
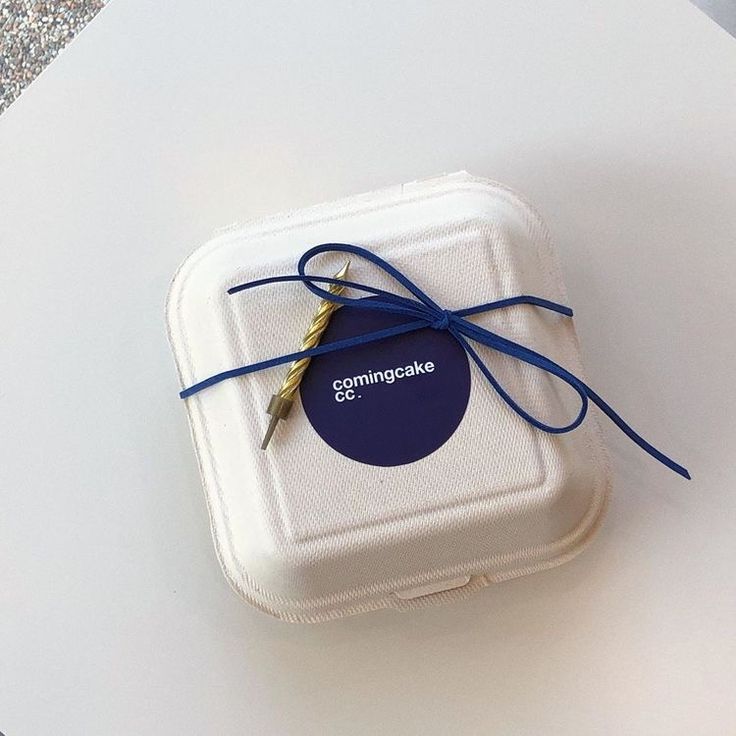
column 390, row 402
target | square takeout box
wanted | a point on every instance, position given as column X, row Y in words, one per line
column 306, row 532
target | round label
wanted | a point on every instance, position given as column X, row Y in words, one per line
column 390, row 402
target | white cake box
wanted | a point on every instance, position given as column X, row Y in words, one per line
column 306, row 533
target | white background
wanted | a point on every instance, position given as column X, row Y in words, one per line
column 165, row 120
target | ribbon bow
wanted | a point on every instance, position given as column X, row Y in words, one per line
column 424, row 312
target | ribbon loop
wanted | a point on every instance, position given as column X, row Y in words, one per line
column 425, row 312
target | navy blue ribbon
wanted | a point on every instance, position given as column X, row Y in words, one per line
column 424, row 312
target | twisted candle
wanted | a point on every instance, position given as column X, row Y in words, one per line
column 282, row 401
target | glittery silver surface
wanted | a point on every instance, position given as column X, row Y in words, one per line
column 32, row 34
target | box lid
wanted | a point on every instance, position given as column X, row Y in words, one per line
column 307, row 533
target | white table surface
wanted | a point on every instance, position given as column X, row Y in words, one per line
column 163, row 121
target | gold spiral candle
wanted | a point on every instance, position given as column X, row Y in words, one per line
column 282, row 401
